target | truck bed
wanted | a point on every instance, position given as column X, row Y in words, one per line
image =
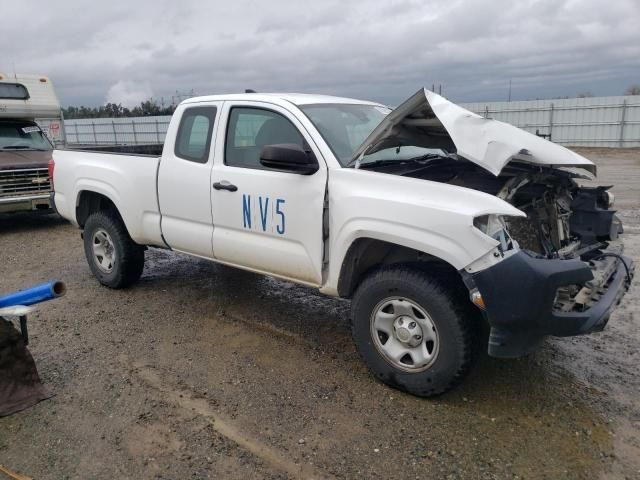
column 129, row 181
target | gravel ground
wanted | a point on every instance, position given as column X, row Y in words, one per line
column 201, row 371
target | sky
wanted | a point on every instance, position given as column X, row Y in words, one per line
column 382, row 50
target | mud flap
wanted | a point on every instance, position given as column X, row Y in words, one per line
column 20, row 385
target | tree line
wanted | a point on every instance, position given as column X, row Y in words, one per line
column 116, row 110
column 632, row 90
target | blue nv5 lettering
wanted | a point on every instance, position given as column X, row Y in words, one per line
column 263, row 214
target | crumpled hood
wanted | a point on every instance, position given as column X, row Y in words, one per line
column 429, row 120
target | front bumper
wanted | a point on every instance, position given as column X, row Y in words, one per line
column 519, row 295
column 26, row 203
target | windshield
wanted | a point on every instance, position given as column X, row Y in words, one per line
column 345, row 126
column 22, row 136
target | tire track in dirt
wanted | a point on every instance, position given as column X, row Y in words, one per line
column 184, row 399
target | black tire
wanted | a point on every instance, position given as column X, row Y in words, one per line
column 448, row 314
column 129, row 256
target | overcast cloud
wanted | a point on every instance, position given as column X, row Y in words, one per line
column 377, row 49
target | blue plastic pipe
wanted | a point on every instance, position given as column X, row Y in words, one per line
column 33, row 295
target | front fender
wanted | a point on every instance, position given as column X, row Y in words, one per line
column 429, row 217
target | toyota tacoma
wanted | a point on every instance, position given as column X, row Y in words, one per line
column 431, row 219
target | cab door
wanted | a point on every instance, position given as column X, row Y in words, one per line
column 266, row 220
column 184, row 186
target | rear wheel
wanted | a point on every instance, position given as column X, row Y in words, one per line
column 114, row 258
column 413, row 334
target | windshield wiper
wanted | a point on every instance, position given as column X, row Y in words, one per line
column 22, row 147
column 381, row 163
column 404, row 161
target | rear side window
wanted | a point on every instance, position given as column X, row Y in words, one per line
column 250, row 129
column 194, row 134
column 13, row 91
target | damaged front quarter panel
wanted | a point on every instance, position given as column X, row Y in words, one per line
column 565, row 271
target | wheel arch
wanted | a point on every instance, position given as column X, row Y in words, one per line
column 365, row 254
column 90, row 201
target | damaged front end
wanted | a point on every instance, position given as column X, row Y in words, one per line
column 558, row 271
column 565, row 221
column 567, row 271
column 562, row 269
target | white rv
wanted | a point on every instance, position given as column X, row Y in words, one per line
column 31, row 125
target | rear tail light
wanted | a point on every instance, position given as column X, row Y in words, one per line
column 50, row 168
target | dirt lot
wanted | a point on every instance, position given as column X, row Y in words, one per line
column 201, row 371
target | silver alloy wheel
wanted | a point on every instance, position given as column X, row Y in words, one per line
column 404, row 334
column 104, row 252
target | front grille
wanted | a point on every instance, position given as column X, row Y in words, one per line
column 25, row 182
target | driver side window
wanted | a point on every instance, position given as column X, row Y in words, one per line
column 250, row 129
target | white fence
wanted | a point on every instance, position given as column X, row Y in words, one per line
column 117, row 131
column 590, row 122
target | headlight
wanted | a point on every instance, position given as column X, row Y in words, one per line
column 489, row 224
column 494, row 227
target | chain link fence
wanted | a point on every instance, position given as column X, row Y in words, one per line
column 117, row 131
column 586, row 122
column 590, row 122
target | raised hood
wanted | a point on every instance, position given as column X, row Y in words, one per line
column 429, row 120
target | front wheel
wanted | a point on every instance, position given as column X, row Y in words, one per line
column 114, row 258
column 411, row 332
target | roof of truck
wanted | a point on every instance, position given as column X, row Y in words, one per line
column 295, row 98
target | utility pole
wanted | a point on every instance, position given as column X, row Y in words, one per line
column 509, row 99
column 179, row 96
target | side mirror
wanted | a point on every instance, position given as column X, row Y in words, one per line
column 289, row 157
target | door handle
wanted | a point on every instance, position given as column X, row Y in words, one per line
column 225, row 186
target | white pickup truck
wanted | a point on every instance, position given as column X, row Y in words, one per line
column 429, row 217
